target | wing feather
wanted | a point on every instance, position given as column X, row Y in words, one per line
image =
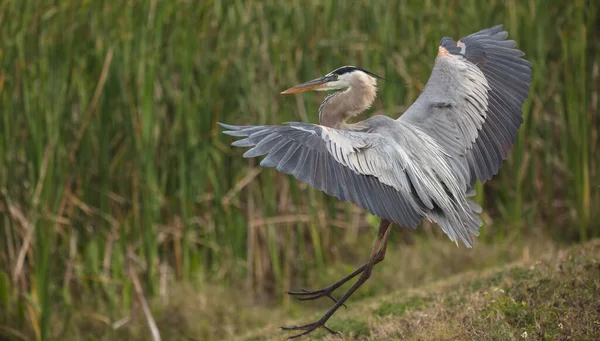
column 506, row 83
column 331, row 164
column 381, row 175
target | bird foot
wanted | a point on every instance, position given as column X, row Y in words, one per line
column 307, row 295
column 309, row 328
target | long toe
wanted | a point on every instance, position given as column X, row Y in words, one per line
column 306, row 292
column 309, row 328
column 329, row 295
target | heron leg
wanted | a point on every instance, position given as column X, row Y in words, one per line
column 377, row 255
column 306, row 295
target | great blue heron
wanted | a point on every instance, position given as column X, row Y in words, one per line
column 423, row 164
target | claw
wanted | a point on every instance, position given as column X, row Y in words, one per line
column 331, row 330
column 309, row 328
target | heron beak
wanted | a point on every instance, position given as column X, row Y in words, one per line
column 311, row 85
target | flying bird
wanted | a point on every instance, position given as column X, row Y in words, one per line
column 423, row 164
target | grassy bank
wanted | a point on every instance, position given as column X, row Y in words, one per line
column 116, row 186
column 550, row 296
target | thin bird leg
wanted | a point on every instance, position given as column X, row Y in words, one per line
column 306, row 295
column 377, row 255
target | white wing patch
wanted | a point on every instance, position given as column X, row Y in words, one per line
column 463, row 47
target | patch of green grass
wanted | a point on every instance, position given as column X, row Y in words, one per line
column 493, row 280
column 497, row 278
column 539, row 319
column 400, row 307
column 516, row 313
column 355, row 326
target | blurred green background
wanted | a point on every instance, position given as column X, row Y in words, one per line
column 116, row 184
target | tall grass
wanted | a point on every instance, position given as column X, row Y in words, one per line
column 113, row 166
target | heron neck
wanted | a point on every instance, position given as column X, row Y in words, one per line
column 337, row 108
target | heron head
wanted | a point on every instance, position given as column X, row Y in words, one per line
column 340, row 78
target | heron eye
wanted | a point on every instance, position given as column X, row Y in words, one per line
column 336, row 76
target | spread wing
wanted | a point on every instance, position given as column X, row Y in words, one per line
column 341, row 163
column 472, row 101
column 380, row 174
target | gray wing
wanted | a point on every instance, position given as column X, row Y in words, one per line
column 344, row 164
column 472, row 101
column 395, row 177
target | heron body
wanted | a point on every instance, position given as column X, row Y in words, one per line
column 423, row 164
